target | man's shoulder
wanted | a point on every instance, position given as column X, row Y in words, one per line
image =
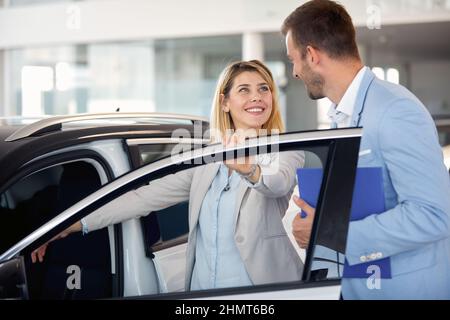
column 385, row 91
column 382, row 96
column 386, row 102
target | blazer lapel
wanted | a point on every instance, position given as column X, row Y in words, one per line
column 243, row 187
column 369, row 76
column 206, row 178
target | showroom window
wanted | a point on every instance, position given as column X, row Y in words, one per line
column 167, row 75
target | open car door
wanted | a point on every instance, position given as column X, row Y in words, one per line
column 155, row 260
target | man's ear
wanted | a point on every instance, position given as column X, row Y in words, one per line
column 223, row 103
column 313, row 55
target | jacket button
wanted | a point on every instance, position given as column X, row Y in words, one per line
column 239, row 239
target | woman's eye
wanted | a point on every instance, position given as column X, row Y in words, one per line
column 264, row 88
column 244, row 90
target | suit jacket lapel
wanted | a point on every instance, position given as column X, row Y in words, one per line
column 207, row 177
column 243, row 187
column 369, row 76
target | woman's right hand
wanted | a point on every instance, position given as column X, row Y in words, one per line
column 39, row 253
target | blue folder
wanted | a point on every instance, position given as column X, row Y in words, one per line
column 368, row 199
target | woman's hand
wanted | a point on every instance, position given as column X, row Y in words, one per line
column 243, row 165
column 39, row 253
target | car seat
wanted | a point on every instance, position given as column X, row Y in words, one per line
column 91, row 252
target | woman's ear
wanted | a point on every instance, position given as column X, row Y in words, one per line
column 223, row 103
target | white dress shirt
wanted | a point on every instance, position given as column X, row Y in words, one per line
column 341, row 115
column 218, row 263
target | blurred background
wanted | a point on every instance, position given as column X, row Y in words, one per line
column 66, row 57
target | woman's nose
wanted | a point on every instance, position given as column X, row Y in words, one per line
column 256, row 98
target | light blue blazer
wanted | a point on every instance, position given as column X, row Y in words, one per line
column 399, row 136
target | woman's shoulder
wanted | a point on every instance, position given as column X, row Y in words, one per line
column 202, row 169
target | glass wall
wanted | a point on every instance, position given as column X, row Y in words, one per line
column 187, row 71
column 176, row 75
column 179, row 75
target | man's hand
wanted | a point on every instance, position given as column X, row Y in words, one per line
column 39, row 253
column 301, row 227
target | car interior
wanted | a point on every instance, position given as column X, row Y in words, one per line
column 41, row 196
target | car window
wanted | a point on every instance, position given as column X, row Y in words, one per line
column 33, row 200
column 36, row 199
column 147, row 153
column 151, row 152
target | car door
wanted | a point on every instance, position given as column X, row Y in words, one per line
column 335, row 151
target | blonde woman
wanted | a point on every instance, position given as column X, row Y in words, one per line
column 236, row 235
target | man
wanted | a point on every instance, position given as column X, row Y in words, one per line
column 400, row 137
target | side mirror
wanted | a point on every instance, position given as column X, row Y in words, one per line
column 13, row 280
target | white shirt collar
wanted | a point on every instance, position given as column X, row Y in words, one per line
column 347, row 103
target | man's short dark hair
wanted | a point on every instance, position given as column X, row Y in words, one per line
column 324, row 25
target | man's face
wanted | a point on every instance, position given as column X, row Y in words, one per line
column 301, row 69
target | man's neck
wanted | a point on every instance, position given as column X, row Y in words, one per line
column 340, row 78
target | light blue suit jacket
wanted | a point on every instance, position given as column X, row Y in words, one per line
column 399, row 136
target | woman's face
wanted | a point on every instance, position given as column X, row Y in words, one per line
column 249, row 101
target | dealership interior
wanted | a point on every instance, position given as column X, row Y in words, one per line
column 147, row 55
column 66, row 57
column 69, row 57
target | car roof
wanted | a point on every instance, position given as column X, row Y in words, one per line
column 54, row 135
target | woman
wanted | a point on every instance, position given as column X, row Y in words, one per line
column 236, row 235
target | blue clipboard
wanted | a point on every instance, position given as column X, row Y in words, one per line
column 368, row 199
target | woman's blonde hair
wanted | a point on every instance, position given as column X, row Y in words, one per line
column 220, row 120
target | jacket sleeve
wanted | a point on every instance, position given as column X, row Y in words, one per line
column 409, row 147
column 278, row 177
column 157, row 195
